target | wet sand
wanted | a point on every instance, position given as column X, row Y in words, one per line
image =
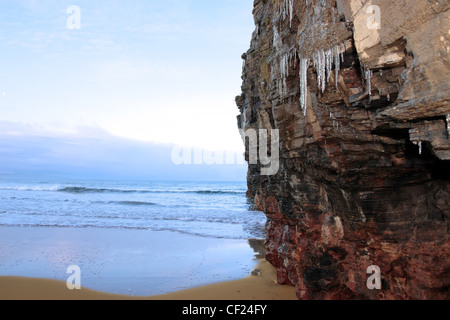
column 130, row 264
column 262, row 287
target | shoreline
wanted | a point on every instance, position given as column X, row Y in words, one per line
column 122, row 261
column 132, row 264
column 251, row 288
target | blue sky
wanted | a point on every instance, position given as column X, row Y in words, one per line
column 164, row 71
column 152, row 71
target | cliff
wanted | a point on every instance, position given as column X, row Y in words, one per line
column 359, row 93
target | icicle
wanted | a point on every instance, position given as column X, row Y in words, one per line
column 304, row 64
column 448, row 125
column 287, row 9
column 284, row 72
column 283, row 11
column 319, row 64
column 316, row 64
column 285, row 63
column 323, row 63
column 381, row 73
column 419, row 144
column 323, row 69
column 369, row 74
column 337, row 64
column 281, row 80
column 329, row 62
column 335, row 124
column 291, row 12
column 388, row 97
column 277, row 41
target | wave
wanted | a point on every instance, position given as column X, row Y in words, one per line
column 34, row 188
column 216, row 192
column 137, row 228
column 92, row 190
column 131, row 203
column 82, row 190
column 99, row 190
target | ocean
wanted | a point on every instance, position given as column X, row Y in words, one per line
column 128, row 237
column 206, row 209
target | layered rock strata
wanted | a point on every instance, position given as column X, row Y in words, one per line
column 359, row 91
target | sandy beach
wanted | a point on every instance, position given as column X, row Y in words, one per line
column 262, row 287
column 131, row 264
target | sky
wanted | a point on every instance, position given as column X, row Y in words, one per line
column 143, row 71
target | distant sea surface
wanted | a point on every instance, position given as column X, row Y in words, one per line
column 207, row 209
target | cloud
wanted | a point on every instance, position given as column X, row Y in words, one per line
column 94, row 153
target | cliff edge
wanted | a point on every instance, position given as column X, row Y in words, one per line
column 357, row 95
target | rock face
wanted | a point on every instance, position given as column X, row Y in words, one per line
column 359, row 91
